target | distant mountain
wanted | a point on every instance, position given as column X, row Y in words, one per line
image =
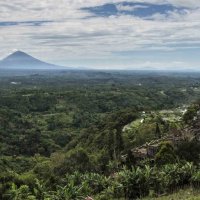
column 21, row 60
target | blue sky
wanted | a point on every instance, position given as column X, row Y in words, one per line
column 136, row 9
column 104, row 34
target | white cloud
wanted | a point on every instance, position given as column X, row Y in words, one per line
column 122, row 7
column 73, row 36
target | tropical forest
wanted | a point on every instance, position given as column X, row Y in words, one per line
column 99, row 135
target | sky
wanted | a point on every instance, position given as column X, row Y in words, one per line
column 104, row 34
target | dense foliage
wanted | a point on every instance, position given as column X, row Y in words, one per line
column 63, row 135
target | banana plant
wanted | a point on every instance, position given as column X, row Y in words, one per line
column 20, row 193
column 69, row 192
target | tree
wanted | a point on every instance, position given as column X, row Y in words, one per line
column 189, row 151
column 166, row 154
column 75, row 160
column 158, row 131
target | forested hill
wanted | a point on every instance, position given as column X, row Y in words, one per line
column 68, row 132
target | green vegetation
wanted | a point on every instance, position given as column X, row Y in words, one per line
column 183, row 194
column 72, row 134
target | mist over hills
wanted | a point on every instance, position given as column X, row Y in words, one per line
column 22, row 60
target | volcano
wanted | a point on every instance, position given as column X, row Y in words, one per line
column 22, row 60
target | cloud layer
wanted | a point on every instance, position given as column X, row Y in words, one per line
column 64, row 32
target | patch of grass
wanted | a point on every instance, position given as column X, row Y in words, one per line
column 183, row 194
